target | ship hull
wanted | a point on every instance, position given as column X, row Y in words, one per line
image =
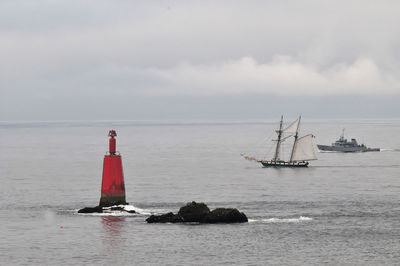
column 345, row 149
column 283, row 164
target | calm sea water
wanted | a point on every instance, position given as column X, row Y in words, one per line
column 342, row 210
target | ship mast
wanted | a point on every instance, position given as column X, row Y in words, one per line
column 342, row 136
column 278, row 143
column 295, row 140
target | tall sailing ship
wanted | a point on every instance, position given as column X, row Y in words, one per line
column 302, row 150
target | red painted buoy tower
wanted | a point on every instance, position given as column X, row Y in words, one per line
column 113, row 186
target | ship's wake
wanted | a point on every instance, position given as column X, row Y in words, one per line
column 386, row 150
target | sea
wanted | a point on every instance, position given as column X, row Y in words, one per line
column 344, row 209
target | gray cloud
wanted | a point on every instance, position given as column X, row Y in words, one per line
column 53, row 50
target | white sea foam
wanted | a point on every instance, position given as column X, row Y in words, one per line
column 137, row 209
column 111, row 213
column 281, row 220
column 108, row 212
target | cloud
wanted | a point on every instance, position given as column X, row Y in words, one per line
column 53, row 52
column 281, row 76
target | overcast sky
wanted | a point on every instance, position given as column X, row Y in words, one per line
column 198, row 59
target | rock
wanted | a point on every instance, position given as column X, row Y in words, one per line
column 225, row 215
column 165, row 218
column 193, row 212
column 97, row 209
column 200, row 213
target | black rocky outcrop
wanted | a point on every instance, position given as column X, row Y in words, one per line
column 193, row 212
column 225, row 215
column 199, row 213
column 96, row 209
column 165, row 218
column 101, row 209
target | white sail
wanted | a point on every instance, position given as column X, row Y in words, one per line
column 292, row 128
column 304, row 149
column 285, row 138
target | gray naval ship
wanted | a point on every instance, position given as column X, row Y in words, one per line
column 342, row 145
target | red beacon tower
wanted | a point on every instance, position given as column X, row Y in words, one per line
column 113, row 186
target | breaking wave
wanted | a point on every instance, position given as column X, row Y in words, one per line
column 282, row 220
column 107, row 211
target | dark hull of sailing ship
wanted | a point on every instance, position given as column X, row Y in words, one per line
column 283, row 164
